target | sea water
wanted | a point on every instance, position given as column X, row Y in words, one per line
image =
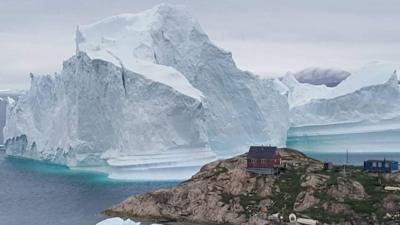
column 356, row 147
column 36, row 193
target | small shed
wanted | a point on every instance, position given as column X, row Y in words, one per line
column 264, row 160
column 381, row 166
column 328, row 165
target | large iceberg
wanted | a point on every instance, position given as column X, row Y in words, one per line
column 145, row 94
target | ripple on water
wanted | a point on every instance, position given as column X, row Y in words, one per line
column 39, row 193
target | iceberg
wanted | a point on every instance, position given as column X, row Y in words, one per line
column 117, row 221
column 361, row 113
column 146, row 96
column 370, row 95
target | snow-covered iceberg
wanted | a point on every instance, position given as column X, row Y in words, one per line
column 145, row 92
column 117, row 221
column 367, row 101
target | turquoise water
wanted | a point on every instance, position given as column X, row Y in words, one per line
column 382, row 141
column 361, row 146
column 35, row 193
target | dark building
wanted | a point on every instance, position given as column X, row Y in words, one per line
column 263, row 160
column 328, row 165
column 381, row 166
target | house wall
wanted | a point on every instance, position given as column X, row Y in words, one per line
column 380, row 166
column 263, row 163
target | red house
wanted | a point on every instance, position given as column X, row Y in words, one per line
column 264, row 160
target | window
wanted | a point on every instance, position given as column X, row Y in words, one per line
column 379, row 164
column 373, row 164
column 387, row 165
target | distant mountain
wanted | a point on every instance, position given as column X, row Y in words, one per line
column 320, row 76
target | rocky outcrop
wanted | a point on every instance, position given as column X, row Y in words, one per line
column 346, row 188
column 223, row 192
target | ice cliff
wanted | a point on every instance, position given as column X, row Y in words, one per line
column 145, row 95
column 6, row 97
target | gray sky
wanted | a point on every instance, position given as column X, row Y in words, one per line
column 265, row 37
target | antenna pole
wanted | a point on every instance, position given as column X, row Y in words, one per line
column 347, row 160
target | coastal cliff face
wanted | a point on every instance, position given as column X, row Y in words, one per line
column 223, row 192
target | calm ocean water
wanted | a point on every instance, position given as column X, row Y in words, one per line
column 361, row 146
column 34, row 193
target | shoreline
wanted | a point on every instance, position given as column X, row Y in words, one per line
column 223, row 192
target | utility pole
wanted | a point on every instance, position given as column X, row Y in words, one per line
column 345, row 164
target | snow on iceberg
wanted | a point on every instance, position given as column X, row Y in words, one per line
column 117, row 221
column 364, row 102
column 144, row 93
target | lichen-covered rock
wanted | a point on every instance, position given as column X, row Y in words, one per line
column 223, row 192
column 391, row 203
column 213, row 195
column 346, row 188
column 314, row 181
column 305, row 200
column 337, row 208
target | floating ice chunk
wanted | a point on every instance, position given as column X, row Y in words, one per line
column 117, row 221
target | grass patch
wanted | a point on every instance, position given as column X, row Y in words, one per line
column 226, row 198
column 289, row 184
column 318, row 213
column 219, row 170
column 250, row 202
column 362, row 206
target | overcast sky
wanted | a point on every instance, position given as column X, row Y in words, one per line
column 265, row 37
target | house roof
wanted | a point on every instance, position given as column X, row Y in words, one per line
column 262, row 152
column 381, row 160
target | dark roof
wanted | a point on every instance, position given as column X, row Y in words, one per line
column 262, row 152
column 380, row 160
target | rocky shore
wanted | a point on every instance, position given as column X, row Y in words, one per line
column 223, row 192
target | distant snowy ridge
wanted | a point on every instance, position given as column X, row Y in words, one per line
column 147, row 96
column 321, row 76
column 372, row 74
column 361, row 103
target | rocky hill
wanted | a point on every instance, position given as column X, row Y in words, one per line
column 223, row 192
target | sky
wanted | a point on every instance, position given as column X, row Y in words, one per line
column 266, row 37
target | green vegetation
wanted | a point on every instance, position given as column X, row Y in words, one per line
column 226, row 198
column 250, row 202
column 362, row 206
column 320, row 214
column 288, row 186
column 219, row 170
column 286, row 189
